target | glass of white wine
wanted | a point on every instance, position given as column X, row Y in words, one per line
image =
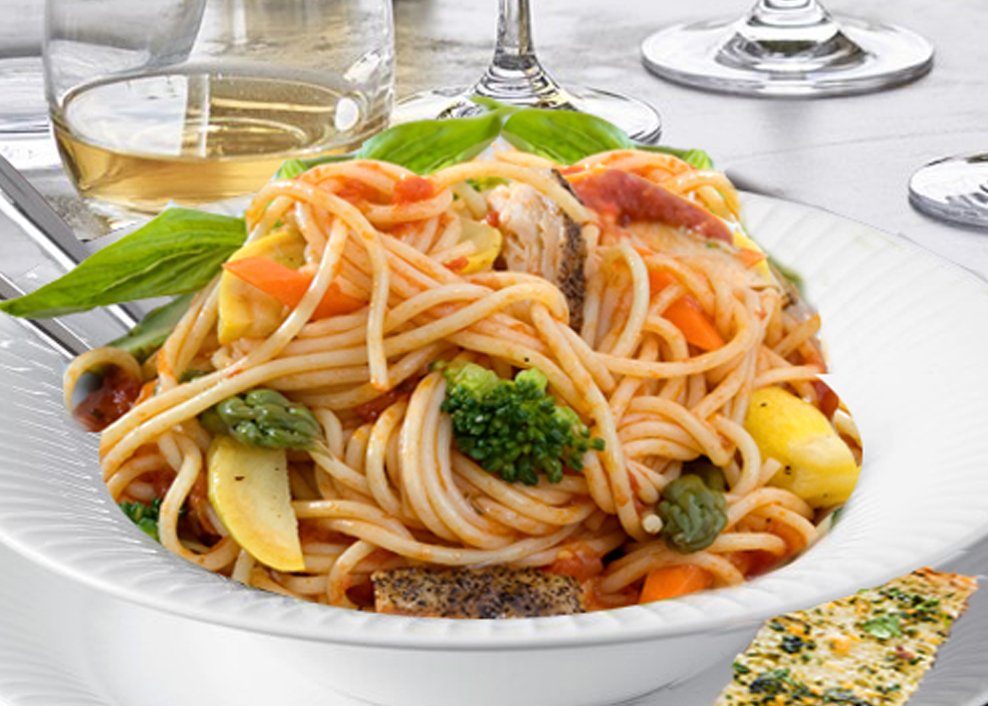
column 198, row 101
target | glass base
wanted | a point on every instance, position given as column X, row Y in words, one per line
column 859, row 57
column 640, row 121
column 25, row 137
column 953, row 189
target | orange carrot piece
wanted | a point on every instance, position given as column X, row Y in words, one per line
column 280, row 281
column 686, row 314
column 289, row 286
column 673, row 581
column 750, row 258
column 336, row 303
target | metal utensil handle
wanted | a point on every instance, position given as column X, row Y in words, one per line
column 53, row 330
column 42, row 223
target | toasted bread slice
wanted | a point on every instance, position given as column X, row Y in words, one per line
column 869, row 649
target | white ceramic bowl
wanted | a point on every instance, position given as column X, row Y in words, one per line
column 907, row 336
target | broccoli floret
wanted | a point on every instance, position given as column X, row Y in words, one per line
column 144, row 516
column 512, row 427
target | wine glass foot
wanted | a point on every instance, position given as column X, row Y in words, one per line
column 857, row 56
column 954, row 189
column 640, row 121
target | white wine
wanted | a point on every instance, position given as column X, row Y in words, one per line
column 139, row 143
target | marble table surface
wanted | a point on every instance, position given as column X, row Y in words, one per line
column 852, row 156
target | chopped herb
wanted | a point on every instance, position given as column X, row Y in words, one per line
column 792, row 644
column 773, row 682
column 843, row 697
column 884, row 626
column 144, row 516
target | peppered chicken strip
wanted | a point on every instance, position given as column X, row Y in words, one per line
column 492, row 592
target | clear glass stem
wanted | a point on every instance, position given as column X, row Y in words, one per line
column 777, row 32
column 515, row 74
column 788, row 13
column 515, row 48
column 788, row 20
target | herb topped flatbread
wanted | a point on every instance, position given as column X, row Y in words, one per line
column 870, row 649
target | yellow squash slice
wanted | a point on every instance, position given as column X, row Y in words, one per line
column 487, row 241
column 816, row 463
column 248, row 487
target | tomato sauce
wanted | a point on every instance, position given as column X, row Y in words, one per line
column 457, row 264
column 353, row 190
column 413, row 188
column 579, row 561
column 625, row 198
column 370, row 411
column 115, row 396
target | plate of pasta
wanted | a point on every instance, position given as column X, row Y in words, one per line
column 578, row 387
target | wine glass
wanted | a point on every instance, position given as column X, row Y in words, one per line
column 953, row 189
column 515, row 76
column 791, row 48
column 199, row 101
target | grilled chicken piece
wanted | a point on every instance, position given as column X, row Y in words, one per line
column 540, row 239
column 493, row 592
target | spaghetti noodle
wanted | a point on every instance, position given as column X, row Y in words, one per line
column 386, row 485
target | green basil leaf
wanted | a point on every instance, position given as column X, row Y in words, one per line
column 178, row 252
column 695, row 157
column 563, row 136
column 149, row 335
column 292, row 168
column 491, row 104
column 426, row 146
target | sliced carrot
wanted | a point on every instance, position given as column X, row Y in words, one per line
column 335, row 302
column 686, row 314
column 289, row 286
column 750, row 258
column 280, row 281
column 673, row 581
